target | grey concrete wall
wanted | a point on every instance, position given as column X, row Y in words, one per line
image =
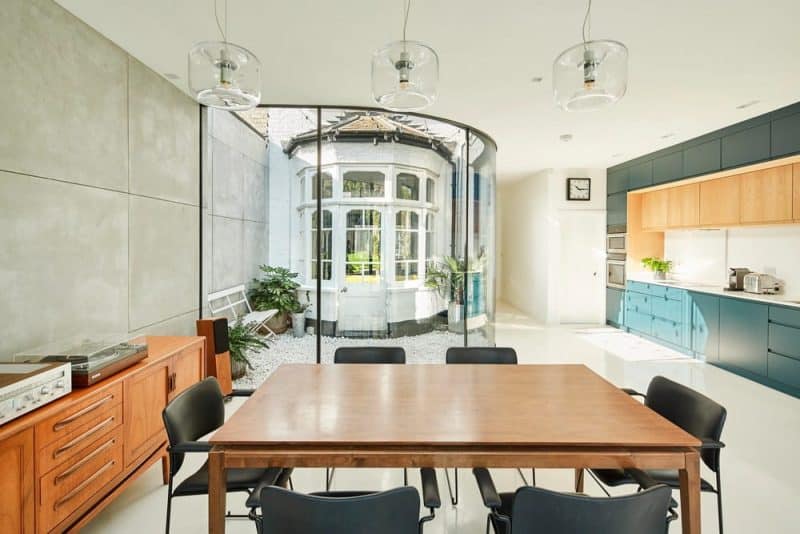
column 99, row 181
column 235, row 191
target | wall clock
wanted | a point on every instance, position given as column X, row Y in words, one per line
column 579, row 188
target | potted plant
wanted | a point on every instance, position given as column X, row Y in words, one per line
column 275, row 290
column 447, row 278
column 299, row 317
column 659, row 267
column 241, row 341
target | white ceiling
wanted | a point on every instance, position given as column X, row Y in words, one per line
column 691, row 62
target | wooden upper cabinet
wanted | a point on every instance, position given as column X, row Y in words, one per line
column 797, row 192
column 654, row 209
column 683, row 204
column 719, row 201
column 766, row 195
column 16, row 484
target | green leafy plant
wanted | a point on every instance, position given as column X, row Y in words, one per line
column 447, row 276
column 241, row 341
column 301, row 307
column 657, row 265
column 275, row 290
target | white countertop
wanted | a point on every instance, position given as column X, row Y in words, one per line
column 782, row 300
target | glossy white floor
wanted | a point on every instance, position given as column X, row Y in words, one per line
column 760, row 471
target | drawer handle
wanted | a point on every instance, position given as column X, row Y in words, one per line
column 84, row 460
column 83, row 485
column 77, row 415
column 94, row 430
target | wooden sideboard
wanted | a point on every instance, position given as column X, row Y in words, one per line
column 62, row 464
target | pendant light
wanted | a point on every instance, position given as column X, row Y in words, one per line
column 592, row 74
column 405, row 74
column 223, row 75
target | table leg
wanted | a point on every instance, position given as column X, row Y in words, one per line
column 579, row 480
column 165, row 468
column 690, row 494
column 216, row 492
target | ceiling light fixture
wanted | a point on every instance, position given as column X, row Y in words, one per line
column 592, row 74
column 224, row 75
column 748, row 104
column 537, row 79
column 667, row 135
column 565, row 138
column 405, row 74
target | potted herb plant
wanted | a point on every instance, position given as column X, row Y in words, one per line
column 241, row 341
column 659, row 267
column 275, row 290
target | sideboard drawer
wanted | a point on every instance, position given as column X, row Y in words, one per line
column 64, row 489
column 72, row 446
column 77, row 415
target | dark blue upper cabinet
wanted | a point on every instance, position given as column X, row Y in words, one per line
column 786, row 135
column 617, row 209
column 746, row 146
column 743, row 335
column 617, row 181
column 640, row 175
column 668, row 168
column 702, row 158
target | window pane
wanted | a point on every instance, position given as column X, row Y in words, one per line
column 363, row 248
column 363, row 184
column 327, row 244
column 327, row 185
column 407, row 187
column 430, row 191
column 406, row 220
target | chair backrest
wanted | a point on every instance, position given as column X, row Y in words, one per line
column 193, row 414
column 496, row 355
column 369, row 355
column 395, row 511
column 227, row 300
column 692, row 411
column 537, row 510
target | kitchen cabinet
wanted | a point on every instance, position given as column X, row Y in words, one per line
column 766, row 195
column 796, row 196
column 655, row 209
column 743, row 334
column 683, row 206
column 615, row 306
column 702, row 159
column 617, row 209
column 785, row 136
column 617, row 181
column 746, row 146
column 719, row 201
column 783, row 359
column 668, row 168
column 17, row 512
column 705, row 325
column 640, row 175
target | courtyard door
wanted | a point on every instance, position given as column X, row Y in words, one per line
column 362, row 297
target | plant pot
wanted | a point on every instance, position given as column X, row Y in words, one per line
column 279, row 323
column 659, row 275
column 238, row 369
column 299, row 324
column 455, row 317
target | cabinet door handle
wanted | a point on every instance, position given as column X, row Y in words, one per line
column 77, row 415
column 80, row 487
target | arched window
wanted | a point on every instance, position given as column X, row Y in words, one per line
column 326, row 247
column 327, row 186
column 407, row 187
column 363, row 184
column 363, row 249
column 406, row 253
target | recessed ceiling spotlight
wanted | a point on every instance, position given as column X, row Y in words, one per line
column 537, row 79
column 566, row 138
column 668, row 135
column 171, row 76
column 617, row 155
column 748, row 104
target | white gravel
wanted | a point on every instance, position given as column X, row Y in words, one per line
column 424, row 348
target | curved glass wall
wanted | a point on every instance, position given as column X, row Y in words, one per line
column 389, row 222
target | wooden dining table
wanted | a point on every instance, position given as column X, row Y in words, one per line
column 502, row 416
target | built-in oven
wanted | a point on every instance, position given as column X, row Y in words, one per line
column 615, row 276
column 615, row 243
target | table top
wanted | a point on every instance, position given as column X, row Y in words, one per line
column 445, row 406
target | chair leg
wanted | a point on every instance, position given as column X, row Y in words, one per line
column 329, row 477
column 453, row 499
column 169, row 503
column 533, row 476
column 719, row 500
column 602, row 487
column 405, row 476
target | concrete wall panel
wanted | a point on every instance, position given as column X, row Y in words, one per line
column 228, row 235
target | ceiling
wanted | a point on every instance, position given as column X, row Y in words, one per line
column 691, row 62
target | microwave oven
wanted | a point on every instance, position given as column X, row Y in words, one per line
column 615, row 243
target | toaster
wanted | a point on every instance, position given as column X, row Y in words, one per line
column 761, row 283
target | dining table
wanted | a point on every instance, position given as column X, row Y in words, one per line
column 436, row 415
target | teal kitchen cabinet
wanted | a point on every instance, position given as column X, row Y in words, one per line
column 702, row 159
column 746, row 146
column 617, row 181
column 640, row 175
column 615, row 307
column 668, row 168
column 705, row 325
column 743, row 334
column 786, row 136
column 617, row 209
column 783, row 357
column 658, row 312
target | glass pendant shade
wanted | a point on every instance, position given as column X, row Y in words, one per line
column 590, row 75
column 405, row 76
column 225, row 76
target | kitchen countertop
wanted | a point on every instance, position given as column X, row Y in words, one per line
column 711, row 289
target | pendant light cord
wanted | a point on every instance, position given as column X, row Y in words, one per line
column 219, row 26
column 405, row 18
column 587, row 21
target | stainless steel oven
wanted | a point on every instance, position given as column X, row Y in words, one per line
column 615, row 276
column 615, row 243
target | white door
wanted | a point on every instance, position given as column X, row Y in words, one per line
column 580, row 289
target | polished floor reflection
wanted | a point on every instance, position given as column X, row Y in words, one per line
column 759, row 472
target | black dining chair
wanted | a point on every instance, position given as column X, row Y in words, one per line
column 395, row 511
column 356, row 355
column 693, row 412
column 480, row 355
column 191, row 415
column 532, row 510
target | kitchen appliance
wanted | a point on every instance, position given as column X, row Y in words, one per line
column 761, row 283
column 615, row 243
column 92, row 359
column 27, row 386
column 615, row 276
column 736, row 278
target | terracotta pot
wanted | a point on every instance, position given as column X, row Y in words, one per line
column 280, row 323
column 238, row 369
